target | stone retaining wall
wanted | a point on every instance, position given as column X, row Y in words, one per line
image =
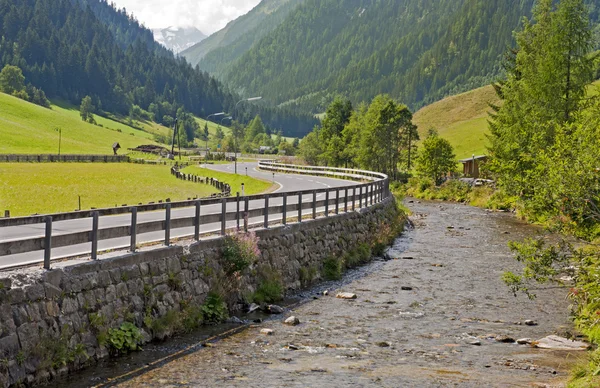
column 52, row 322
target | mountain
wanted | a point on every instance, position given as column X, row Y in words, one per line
column 239, row 35
column 418, row 51
column 74, row 48
column 178, row 39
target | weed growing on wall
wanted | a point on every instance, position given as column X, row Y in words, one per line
column 239, row 252
column 214, row 309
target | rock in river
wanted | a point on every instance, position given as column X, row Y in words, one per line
column 555, row 342
column 274, row 309
column 346, row 295
column 292, row 321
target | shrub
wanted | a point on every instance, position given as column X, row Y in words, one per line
column 214, row 309
column 268, row 291
column 332, row 268
column 125, row 339
column 240, row 251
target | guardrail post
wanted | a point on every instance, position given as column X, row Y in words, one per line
column 95, row 217
column 47, row 242
column 360, row 196
column 223, row 215
column 168, row 225
column 353, row 198
column 327, row 203
column 266, row 223
column 337, row 201
column 314, row 202
column 346, row 200
column 237, row 210
column 284, row 213
column 300, row 207
column 197, row 222
column 371, row 193
column 246, row 213
column 133, row 229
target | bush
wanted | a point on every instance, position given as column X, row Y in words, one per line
column 125, row 339
column 214, row 309
column 332, row 268
column 240, row 251
column 268, row 291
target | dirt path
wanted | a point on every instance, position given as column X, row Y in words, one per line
column 390, row 337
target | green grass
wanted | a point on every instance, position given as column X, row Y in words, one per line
column 26, row 128
column 28, row 188
column 251, row 185
column 460, row 119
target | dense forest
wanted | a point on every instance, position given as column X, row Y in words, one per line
column 74, row 48
column 415, row 50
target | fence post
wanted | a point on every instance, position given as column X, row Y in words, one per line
column 95, row 217
column 223, row 215
column 360, row 195
column 197, row 222
column 284, row 213
column 327, row 203
column 168, row 225
column 353, row 198
column 314, row 201
column 266, row 223
column 133, row 229
column 300, row 207
column 371, row 193
column 337, row 201
column 237, row 210
column 346, row 200
column 47, row 242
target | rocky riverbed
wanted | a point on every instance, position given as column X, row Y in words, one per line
column 437, row 314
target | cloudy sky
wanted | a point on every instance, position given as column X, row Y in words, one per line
column 207, row 15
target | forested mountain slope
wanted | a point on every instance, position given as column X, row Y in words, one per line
column 74, row 48
column 416, row 50
column 239, row 35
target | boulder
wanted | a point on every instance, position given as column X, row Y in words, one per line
column 555, row 342
column 292, row 321
column 346, row 295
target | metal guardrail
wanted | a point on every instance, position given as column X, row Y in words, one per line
column 347, row 198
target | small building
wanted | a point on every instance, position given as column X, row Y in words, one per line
column 471, row 165
column 264, row 150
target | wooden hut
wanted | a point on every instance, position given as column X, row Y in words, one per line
column 471, row 165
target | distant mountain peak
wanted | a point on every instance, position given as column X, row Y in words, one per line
column 178, row 39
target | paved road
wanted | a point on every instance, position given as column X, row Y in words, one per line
column 286, row 182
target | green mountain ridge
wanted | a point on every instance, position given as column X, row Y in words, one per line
column 239, row 35
column 418, row 51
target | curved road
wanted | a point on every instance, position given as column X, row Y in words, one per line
column 286, row 182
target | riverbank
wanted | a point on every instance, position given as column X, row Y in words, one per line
column 432, row 320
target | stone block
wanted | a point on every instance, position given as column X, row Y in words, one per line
column 122, row 290
column 52, row 291
column 111, row 293
column 16, row 295
column 9, row 346
column 53, row 277
column 69, row 305
column 35, row 292
column 173, row 265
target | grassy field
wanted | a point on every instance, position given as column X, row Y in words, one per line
column 26, row 128
column 28, row 188
column 461, row 119
column 251, row 185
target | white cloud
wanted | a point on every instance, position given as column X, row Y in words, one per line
column 206, row 15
